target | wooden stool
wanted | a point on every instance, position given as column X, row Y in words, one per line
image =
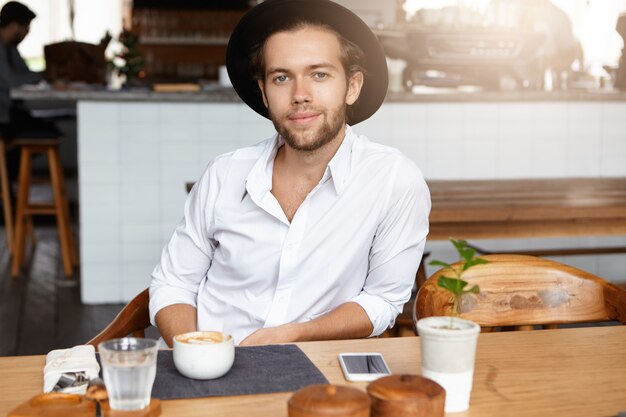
column 59, row 207
column 5, row 191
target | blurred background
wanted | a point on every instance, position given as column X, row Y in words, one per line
column 577, row 37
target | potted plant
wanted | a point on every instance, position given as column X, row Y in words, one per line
column 448, row 344
column 129, row 62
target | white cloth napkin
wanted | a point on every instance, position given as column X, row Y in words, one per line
column 80, row 358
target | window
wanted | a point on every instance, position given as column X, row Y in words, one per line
column 92, row 19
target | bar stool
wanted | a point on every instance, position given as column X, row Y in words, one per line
column 5, row 194
column 58, row 208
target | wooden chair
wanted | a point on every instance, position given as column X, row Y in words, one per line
column 134, row 319
column 525, row 291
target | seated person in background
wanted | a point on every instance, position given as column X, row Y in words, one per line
column 15, row 120
column 317, row 232
column 15, row 21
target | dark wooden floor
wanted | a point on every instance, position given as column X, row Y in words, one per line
column 41, row 310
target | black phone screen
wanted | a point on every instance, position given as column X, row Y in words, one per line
column 365, row 364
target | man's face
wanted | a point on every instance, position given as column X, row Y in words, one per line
column 18, row 32
column 305, row 87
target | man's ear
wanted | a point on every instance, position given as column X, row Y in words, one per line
column 261, row 87
column 355, row 83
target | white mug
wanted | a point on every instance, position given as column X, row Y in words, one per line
column 204, row 355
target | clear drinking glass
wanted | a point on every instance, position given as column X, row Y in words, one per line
column 129, row 369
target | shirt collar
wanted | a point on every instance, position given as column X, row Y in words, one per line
column 259, row 179
column 339, row 165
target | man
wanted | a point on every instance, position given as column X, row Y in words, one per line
column 15, row 21
column 317, row 232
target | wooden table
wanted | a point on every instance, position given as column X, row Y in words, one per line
column 527, row 208
column 565, row 372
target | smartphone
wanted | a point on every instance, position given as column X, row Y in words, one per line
column 363, row 366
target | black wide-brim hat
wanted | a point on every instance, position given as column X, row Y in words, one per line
column 273, row 15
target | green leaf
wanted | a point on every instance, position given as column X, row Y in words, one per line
column 439, row 263
column 467, row 253
column 474, row 290
column 458, row 243
column 461, row 247
column 480, row 261
column 447, row 283
column 472, row 262
column 454, row 285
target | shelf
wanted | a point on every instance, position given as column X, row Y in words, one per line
column 184, row 45
column 183, row 41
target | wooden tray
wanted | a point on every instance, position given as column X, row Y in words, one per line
column 63, row 405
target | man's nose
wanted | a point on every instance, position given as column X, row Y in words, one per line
column 301, row 92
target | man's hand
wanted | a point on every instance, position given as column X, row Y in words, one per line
column 348, row 321
column 286, row 333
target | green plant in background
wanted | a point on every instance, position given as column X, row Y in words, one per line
column 456, row 285
column 129, row 62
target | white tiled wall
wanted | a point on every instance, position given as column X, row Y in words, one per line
column 135, row 159
column 506, row 140
column 134, row 162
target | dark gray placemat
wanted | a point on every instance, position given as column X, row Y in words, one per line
column 257, row 370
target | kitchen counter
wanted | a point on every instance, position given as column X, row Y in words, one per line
column 446, row 95
column 225, row 94
column 217, row 94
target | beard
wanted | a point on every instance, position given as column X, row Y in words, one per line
column 333, row 120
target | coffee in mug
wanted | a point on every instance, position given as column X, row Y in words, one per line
column 204, row 354
column 201, row 338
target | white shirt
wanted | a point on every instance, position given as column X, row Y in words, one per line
column 358, row 236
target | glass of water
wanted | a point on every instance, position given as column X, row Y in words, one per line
column 129, row 369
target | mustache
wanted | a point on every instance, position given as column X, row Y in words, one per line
column 304, row 109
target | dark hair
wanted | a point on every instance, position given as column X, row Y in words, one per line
column 15, row 12
column 352, row 56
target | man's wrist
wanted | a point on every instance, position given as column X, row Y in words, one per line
column 293, row 332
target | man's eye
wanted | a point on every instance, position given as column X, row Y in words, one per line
column 280, row 79
column 320, row 75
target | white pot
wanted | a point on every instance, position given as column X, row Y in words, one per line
column 448, row 357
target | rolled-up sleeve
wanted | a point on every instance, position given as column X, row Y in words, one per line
column 397, row 249
column 187, row 256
